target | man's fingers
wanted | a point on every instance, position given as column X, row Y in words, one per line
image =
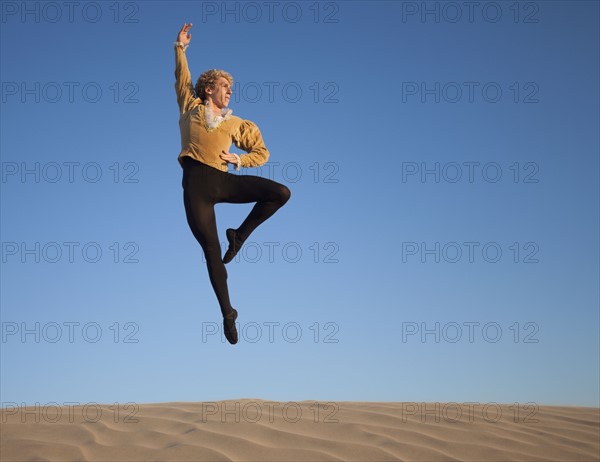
column 228, row 157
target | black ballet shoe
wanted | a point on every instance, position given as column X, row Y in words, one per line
column 235, row 243
column 229, row 327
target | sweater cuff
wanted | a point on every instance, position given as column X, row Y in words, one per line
column 239, row 161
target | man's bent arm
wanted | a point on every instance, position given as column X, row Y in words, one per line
column 250, row 140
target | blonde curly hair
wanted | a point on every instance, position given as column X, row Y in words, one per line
column 208, row 79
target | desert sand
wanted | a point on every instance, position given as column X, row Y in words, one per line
column 261, row 430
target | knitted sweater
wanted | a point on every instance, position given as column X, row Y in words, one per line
column 203, row 143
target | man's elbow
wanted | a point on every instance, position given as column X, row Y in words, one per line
column 264, row 157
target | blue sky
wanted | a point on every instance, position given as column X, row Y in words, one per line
column 440, row 244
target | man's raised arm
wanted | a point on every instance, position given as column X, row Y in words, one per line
column 183, row 82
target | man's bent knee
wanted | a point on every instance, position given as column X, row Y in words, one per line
column 284, row 194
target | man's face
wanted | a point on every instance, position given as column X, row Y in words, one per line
column 220, row 92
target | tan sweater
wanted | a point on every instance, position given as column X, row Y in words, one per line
column 203, row 143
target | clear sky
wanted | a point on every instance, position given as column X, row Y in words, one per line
column 440, row 243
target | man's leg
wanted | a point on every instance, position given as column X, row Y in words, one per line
column 269, row 196
column 200, row 185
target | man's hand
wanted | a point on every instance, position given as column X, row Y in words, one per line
column 231, row 158
column 183, row 36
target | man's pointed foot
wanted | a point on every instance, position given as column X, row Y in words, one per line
column 229, row 326
column 235, row 243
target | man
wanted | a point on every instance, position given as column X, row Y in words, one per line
column 208, row 129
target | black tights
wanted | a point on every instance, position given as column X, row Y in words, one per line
column 203, row 187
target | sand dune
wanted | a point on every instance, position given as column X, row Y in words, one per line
column 260, row 430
